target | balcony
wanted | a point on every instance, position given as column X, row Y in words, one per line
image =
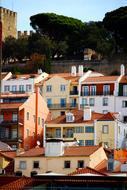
column 74, row 92
column 106, row 93
column 63, row 106
column 8, row 122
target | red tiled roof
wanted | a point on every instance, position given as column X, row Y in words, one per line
column 8, row 154
column 102, row 166
column 6, row 180
column 32, row 152
column 80, row 150
column 123, row 79
column 78, row 114
column 85, row 171
column 25, row 76
column 108, row 116
column 18, row 184
column 10, row 105
column 11, row 95
column 101, row 79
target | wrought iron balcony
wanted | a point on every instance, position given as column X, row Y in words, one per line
column 74, row 92
column 105, row 93
column 63, row 106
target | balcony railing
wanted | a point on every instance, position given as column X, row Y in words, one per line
column 62, row 106
column 7, row 122
column 73, row 92
column 96, row 93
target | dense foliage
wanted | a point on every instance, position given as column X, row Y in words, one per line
column 61, row 37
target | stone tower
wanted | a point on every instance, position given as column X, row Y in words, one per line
column 9, row 23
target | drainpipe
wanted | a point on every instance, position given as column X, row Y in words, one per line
column 36, row 112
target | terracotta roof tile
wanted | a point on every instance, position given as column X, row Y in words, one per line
column 8, row 154
column 18, row 184
column 80, row 150
column 78, row 114
column 32, row 152
column 85, row 171
column 101, row 79
column 107, row 117
column 123, row 79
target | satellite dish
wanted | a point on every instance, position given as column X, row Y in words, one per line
column 38, row 143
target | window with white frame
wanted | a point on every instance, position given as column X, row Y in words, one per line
column 58, row 133
column 28, row 88
column 93, row 90
column 84, row 102
column 22, row 165
column 14, row 133
column 124, row 103
column 85, row 90
column 106, row 89
column 91, row 101
column 124, row 90
column 14, row 88
column 6, row 88
column 21, row 88
column 105, row 129
column 49, row 88
column 62, row 87
column 105, row 101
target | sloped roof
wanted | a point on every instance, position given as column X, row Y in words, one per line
column 107, row 117
column 78, row 115
column 68, row 151
column 37, row 151
column 8, row 154
column 101, row 79
column 123, row 79
column 86, row 170
column 80, row 150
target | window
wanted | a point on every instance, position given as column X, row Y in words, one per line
column 1, row 117
column 28, row 88
column 58, row 133
column 34, row 119
column 14, row 147
column 42, row 122
column 49, row 102
column 14, row 88
column 36, row 164
column 27, row 132
column 125, row 119
column 124, row 104
column 38, row 120
column 89, row 129
column 105, row 111
column 21, row 88
column 27, row 115
column 69, row 133
column 84, row 102
column 91, row 101
column 105, row 101
column 67, row 164
column 62, row 87
column 85, row 90
column 93, row 90
column 79, row 129
column 62, row 113
column 49, row 88
column 63, row 102
column 106, row 89
column 73, row 102
column 6, row 88
column 69, row 117
column 22, row 165
column 13, row 133
column 80, row 164
column 124, row 90
column 14, row 117
column 105, row 129
column 89, row 142
column 81, row 142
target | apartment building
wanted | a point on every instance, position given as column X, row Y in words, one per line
column 68, row 158
column 88, row 128
column 22, row 117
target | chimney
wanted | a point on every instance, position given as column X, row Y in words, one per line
column 80, row 70
column 54, row 147
column 122, row 70
column 73, row 70
column 87, row 113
